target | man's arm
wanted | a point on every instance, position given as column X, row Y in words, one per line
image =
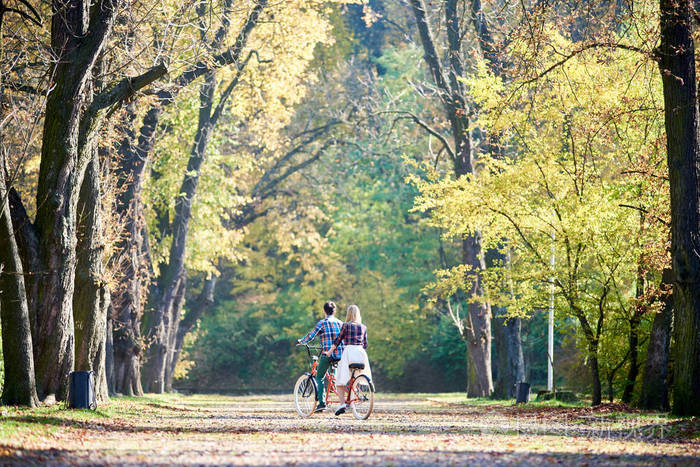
column 307, row 338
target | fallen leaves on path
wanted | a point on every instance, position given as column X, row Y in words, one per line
column 214, row 430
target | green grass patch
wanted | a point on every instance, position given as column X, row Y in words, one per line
column 460, row 398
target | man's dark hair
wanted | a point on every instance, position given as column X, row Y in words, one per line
column 329, row 308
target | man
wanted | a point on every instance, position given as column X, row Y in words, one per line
column 329, row 327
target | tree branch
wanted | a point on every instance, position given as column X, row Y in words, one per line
column 593, row 45
column 232, row 85
column 127, row 87
column 416, row 119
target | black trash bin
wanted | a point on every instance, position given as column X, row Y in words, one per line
column 522, row 393
column 81, row 390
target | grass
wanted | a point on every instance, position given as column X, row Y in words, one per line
column 459, row 398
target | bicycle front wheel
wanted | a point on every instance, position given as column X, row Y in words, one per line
column 362, row 397
column 305, row 395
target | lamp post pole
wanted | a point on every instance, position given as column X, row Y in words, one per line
column 550, row 327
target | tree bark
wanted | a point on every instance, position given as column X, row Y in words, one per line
column 451, row 91
column 92, row 296
column 130, row 298
column 19, row 385
column 173, row 333
column 187, row 324
column 510, row 367
column 128, row 342
column 79, row 32
column 676, row 54
column 28, row 245
column 171, row 281
column 109, row 353
column 595, row 373
column 633, row 342
column 654, row 395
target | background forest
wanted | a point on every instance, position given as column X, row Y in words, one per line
column 186, row 183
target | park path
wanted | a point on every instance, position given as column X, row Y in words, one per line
column 403, row 430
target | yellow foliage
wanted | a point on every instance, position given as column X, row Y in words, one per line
column 575, row 175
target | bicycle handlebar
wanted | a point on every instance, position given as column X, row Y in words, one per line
column 316, row 347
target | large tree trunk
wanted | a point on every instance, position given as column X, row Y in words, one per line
column 654, row 395
column 478, row 336
column 19, row 386
column 676, row 54
column 451, row 92
column 77, row 40
column 129, row 301
column 92, row 297
column 171, row 282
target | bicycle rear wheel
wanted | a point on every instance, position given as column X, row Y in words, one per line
column 305, row 395
column 362, row 397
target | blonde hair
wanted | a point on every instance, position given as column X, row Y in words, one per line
column 353, row 314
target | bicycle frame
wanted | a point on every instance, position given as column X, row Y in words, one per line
column 330, row 378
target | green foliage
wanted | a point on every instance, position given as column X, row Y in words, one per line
column 363, row 247
column 559, row 186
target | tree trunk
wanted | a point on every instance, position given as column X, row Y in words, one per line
column 109, row 353
column 640, row 310
column 19, row 386
column 633, row 339
column 165, row 296
column 451, row 92
column 654, row 395
column 479, row 336
column 171, row 282
column 77, row 40
column 194, row 313
column 676, row 53
column 154, row 371
column 130, row 298
column 509, row 355
column 173, row 332
column 595, row 373
column 127, row 368
column 91, row 298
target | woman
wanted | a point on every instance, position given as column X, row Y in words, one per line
column 353, row 335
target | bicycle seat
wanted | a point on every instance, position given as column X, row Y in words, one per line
column 357, row 366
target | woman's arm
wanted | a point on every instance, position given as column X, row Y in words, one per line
column 336, row 342
column 330, row 351
column 364, row 339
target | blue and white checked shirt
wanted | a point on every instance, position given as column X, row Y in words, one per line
column 329, row 328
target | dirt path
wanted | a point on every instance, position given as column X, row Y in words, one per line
column 404, row 430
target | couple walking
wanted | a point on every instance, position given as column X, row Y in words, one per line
column 344, row 343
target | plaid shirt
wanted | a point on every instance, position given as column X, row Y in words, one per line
column 329, row 329
column 352, row 334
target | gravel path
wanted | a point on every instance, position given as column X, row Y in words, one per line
column 403, row 430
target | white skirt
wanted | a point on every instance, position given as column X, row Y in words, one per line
column 352, row 354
